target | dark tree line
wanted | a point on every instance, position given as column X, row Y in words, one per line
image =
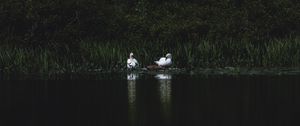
column 43, row 22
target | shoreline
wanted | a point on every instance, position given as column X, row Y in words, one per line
column 95, row 75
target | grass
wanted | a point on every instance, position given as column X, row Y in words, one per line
column 111, row 56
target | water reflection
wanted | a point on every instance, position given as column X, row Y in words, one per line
column 132, row 76
column 165, row 95
column 131, row 83
column 163, row 76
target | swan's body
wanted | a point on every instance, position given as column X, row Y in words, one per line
column 165, row 61
column 132, row 62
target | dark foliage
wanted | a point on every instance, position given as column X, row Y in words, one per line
column 46, row 22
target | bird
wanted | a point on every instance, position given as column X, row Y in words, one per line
column 165, row 61
column 132, row 62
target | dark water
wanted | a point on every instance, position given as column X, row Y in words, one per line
column 152, row 100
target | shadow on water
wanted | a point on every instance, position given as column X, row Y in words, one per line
column 156, row 99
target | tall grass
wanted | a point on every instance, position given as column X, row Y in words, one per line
column 106, row 56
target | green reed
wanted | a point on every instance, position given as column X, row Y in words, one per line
column 111, row 56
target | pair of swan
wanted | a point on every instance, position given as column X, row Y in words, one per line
column 162, row 62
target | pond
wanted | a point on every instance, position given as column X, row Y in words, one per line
column 149, row 99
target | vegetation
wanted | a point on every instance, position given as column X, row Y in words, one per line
column 51, row 36
column 109, row 56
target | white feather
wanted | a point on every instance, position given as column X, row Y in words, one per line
column 164, row 61
column 132, row 62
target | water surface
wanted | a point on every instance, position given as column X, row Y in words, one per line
column 137, row 99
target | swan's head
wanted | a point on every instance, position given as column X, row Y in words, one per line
column 169, row 55
column 131, row 55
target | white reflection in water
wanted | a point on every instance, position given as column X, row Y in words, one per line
column 132, row 76
column 164, row 87
column 131, row 91
column 131, row 83
column 165, row 94
column 163, row 76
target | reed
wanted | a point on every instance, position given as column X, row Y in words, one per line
column 111, row 56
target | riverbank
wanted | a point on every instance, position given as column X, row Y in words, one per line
column 142, row 73
column 111, row 56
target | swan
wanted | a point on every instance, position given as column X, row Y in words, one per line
column 165, row 61
column 132, row 62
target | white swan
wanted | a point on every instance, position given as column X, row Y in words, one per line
column 165, row 61
column 132, row 62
